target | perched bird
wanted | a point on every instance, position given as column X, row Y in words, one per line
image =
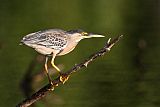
column 55, row 42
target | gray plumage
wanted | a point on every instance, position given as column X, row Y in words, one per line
column 52, row 38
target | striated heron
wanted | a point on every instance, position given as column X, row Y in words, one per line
column 55, row 42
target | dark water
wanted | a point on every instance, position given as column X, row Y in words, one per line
column 126, row 77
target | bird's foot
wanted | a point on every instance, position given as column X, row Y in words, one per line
column 50, row 82
column 64, row 78
column 51, row 88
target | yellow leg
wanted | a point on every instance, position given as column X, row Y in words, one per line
column 46, row 70
column 63, row 78
column 52, row 62
column 55, row 66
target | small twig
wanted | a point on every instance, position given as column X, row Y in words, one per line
column 48, row 88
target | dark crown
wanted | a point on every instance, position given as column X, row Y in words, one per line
column 75, row 31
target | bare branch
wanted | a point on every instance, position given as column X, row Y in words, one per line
column 48, row 88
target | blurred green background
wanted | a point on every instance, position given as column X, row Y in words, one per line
column 129, row 76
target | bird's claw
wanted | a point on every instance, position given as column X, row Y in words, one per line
column 51, row 83
column 64, row 78
column 51, row 88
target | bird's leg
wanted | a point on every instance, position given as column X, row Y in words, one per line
column 46, row 70
column 63, row 78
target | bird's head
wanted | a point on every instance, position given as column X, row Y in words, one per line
column 80, row 34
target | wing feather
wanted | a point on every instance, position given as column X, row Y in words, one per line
column 52, row 39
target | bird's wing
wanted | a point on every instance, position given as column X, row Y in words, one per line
column 55, row 39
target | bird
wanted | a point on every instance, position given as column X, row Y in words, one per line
column 55, row 42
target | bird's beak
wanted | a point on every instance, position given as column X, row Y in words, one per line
column 93, row 35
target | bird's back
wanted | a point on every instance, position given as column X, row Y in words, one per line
column 52, row 38
column 46, row 41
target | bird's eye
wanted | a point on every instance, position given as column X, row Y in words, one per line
column 84, row 33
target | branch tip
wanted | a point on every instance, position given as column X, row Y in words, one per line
column 108, row 40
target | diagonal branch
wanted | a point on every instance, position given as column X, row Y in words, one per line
column 48, row 88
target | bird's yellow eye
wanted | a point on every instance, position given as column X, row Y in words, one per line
column 84, row 33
